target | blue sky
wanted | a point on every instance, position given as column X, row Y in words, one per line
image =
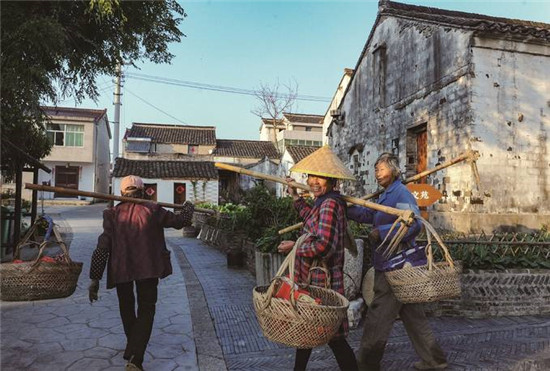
column 243, row 44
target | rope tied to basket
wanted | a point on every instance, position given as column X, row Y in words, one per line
column 289, row 263
column 404, row 222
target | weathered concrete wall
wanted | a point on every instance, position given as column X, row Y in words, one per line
column 510, row 126
column 426, row 69
column 416, row 75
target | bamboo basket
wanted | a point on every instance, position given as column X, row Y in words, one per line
column 294, row 323
column 427, row 283
column 39, row 280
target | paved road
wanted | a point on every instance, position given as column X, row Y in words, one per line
column 205, row 321
column 506, row 343
column 72, row 334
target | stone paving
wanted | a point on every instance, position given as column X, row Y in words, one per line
column 506, row 343
column 205, row 321
column 72, row 334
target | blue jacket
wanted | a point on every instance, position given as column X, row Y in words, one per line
column 398, row 197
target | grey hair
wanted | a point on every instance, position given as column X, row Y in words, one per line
column 392, row 161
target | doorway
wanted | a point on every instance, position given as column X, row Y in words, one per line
column 66, row 177
column 179, row 193
column 150, row 191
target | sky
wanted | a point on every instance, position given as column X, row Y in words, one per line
column 242, row 44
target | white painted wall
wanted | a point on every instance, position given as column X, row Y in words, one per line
column 203, row 190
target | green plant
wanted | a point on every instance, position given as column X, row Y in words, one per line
column 484, row 254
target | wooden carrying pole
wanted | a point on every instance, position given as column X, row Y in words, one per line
column 469, row 155
column 407, row 215
column 104, row 196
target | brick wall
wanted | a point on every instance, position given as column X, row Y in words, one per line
column 498, row 293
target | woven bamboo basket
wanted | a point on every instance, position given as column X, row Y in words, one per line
column 427, row 283
column 39, row 280
column 294, row 323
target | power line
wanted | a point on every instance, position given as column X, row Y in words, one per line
column 224, row 89
column 155, row 107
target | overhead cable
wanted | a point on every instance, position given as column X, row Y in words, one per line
column 224, row 89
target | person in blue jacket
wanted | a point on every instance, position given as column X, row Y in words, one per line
column 385, row 308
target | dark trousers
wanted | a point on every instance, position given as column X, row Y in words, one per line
column 379, row 321
column 138, row 327
column 342, row 352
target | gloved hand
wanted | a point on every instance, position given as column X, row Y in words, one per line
column 93, row 290
column 374, row 237
column 187, row 212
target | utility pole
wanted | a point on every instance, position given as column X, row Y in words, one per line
column 116, row 123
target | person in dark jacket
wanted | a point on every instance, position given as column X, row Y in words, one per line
column 385, row 308
column 133, row 249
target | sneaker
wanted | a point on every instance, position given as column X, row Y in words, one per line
column 421, row 365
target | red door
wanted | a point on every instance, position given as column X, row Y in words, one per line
column 422, row 153
column 150, row 191
column 179, row 193
column 422, row 161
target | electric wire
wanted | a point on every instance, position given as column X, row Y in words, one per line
column 219, row 88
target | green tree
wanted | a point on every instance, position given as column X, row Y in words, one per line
column 51, row 50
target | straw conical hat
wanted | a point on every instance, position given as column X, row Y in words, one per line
column 323, row 162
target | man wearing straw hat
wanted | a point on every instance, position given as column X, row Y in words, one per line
column 326, row 225
column 385, row 308
column 132, row 247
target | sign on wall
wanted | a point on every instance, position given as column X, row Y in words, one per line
column 425, row 194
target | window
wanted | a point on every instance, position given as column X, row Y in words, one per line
column 308, row 128
column 66, row 135
column 379, row 72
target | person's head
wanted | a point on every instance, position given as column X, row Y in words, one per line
column 131, row 186
column 320, row 185
column 386, row 169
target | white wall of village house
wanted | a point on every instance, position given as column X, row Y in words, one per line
column 195, row 190
column 74, row 154
column 336, row 99
column 86, row 173
column 284, row 170
column 426, row 78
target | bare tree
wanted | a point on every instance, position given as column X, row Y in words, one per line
column 273, row 100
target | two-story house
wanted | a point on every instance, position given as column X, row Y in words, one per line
column 294, row 129
column 80, row 157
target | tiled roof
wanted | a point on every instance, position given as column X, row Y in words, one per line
column 480, row 22
column 165, row 169
column 174, row 134
column 267, row 121
column 299, row 152
column 94, row 114
column 303, row 118
column 245, row 148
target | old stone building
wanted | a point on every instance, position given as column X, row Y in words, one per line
column 431, row 84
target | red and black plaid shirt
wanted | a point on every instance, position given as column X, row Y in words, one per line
column 326, row 222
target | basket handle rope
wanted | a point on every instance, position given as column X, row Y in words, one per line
column 64, row 256
column 288, row 263
column 397, row 237
column 430, row 230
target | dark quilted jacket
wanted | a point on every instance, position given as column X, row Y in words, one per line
column 132, row 244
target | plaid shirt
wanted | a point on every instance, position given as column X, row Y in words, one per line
column 326, row 222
